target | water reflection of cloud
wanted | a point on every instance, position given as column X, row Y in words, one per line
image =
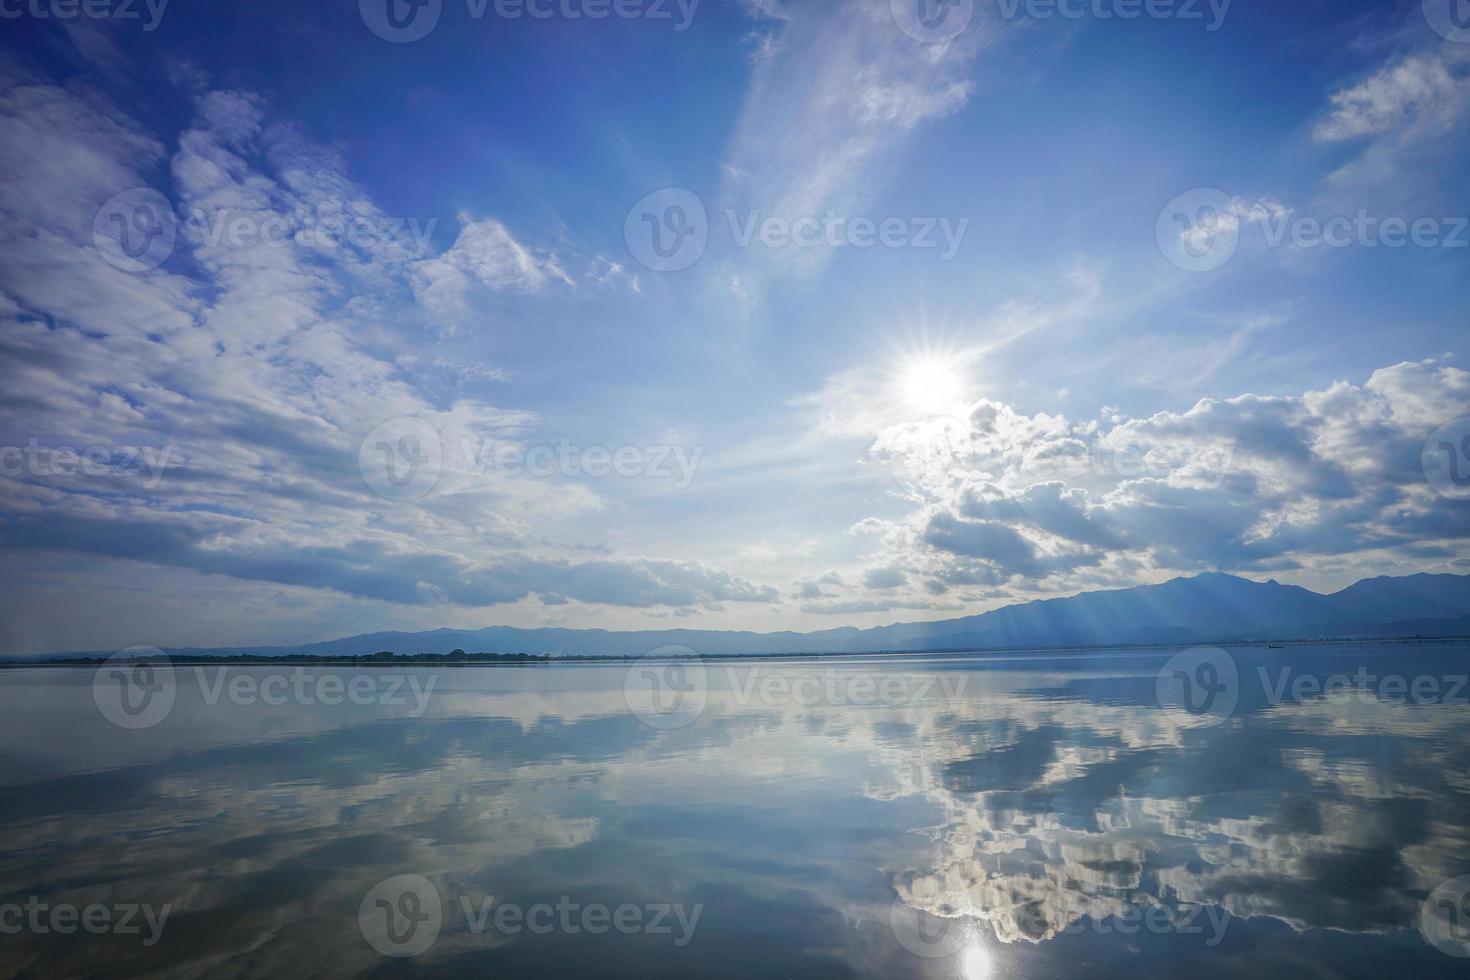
column 1337, row 813
column 1028, row 804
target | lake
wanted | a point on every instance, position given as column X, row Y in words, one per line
column 1302, row 812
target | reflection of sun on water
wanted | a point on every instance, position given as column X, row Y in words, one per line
column 975, row 963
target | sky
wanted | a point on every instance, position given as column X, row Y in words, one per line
column 327, row 318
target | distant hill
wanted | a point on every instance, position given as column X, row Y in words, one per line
column 1205, row 608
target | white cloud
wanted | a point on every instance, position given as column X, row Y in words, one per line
column 1247, row 483
column 485, row 254
column 1201, row 233
column 1415, row 91
column 257, row 366
column 836, row 93
column 1409, row 117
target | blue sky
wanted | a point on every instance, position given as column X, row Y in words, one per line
column 1011, row 306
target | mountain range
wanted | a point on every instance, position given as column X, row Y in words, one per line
column 1212, row 607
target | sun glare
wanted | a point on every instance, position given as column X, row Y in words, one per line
column 929, row 384
column 975, row 964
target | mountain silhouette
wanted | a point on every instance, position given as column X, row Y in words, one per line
column 1212, row 607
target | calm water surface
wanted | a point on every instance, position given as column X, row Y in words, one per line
column 956, row 817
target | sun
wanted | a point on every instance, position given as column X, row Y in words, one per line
column 929, row 384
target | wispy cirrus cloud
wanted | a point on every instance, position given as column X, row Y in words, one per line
column 1424, row 92
column 1408, row 117
column 488, row 256
column 837, row 94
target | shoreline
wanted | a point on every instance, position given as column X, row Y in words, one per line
column 389, row 660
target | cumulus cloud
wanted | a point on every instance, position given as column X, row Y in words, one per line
column 1245, row 483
